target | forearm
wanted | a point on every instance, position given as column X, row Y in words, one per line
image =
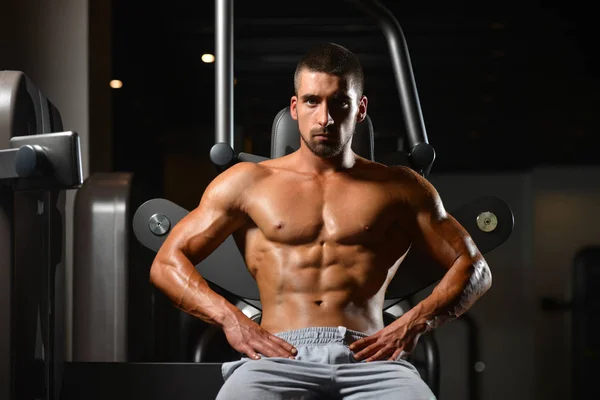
column 177, row 277
column 464, row 283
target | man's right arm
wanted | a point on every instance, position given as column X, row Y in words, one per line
column 197, row 235
column 221, row 212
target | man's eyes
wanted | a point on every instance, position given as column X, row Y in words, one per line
column 335, row 102
column 340, row 103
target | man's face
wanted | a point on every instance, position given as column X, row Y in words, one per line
column 327, row 109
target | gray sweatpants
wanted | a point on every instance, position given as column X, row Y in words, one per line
column 324, row 368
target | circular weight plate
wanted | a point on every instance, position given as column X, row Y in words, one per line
column 487, row 221
column 159, row 224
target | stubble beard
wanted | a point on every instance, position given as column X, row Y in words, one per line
column 325, row 149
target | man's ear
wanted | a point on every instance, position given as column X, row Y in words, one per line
column 362, row 109
column 293, row 105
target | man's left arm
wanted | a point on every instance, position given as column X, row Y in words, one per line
column 467, row 278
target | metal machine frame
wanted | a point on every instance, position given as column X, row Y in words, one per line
column 41, row 163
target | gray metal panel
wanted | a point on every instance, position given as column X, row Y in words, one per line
column 100, row 274
column 6, row 262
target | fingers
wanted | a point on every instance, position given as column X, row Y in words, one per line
column 288, row 347
column 367, row 352
column 382, row 353
column 250, row 353
column 272, row 346
column 378, row 351
column 362, row 343
column 397, row 354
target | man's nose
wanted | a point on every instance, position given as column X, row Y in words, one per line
column 325, row 118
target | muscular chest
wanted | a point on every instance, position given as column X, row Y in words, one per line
column 340, row 211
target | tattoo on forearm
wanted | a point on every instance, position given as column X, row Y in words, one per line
column 477, row 285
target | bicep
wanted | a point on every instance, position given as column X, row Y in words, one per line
column 443, row 238
column 435, row 231
column 219, row 214
column 204, row 229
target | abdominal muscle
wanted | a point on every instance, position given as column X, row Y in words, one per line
column 321, row 285
column 302, row 310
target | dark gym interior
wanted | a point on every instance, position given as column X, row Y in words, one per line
column 508, row 95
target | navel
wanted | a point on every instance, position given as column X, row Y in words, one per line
column 278, row 225
column 319, row 302
column 367, row 228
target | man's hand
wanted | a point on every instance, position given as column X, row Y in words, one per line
column 398, row 338
column 247, row 337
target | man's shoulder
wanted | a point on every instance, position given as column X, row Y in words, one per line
column 281, row 167
column 392, row 173
column 415, row 189
column 401, row 171
column 235, row 180
column 284, row 162
column 410, row 186
column 229, row 188
column 247, row 171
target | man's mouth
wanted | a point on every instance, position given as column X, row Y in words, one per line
column 323, row 137
column 325, row 134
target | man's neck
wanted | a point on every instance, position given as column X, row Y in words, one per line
column 313, row 163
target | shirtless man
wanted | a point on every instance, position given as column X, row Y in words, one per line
column 323, row 231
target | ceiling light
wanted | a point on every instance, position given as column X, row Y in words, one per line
column 208, row 58
column 116, row 84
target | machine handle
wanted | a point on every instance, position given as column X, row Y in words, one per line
column 30, row 159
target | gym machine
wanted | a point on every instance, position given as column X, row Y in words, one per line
column 32, row 352
column 40, row 165
column 488, row 219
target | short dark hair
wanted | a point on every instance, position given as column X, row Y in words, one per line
column 332, row 59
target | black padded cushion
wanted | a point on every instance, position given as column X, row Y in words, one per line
column 285, row 136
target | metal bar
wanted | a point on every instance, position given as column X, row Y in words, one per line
column 474, row 383
column 432, row 357
column 7, row 164
column 224, row 72
column 407, row 88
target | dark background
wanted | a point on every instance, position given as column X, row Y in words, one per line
column 502, row 86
